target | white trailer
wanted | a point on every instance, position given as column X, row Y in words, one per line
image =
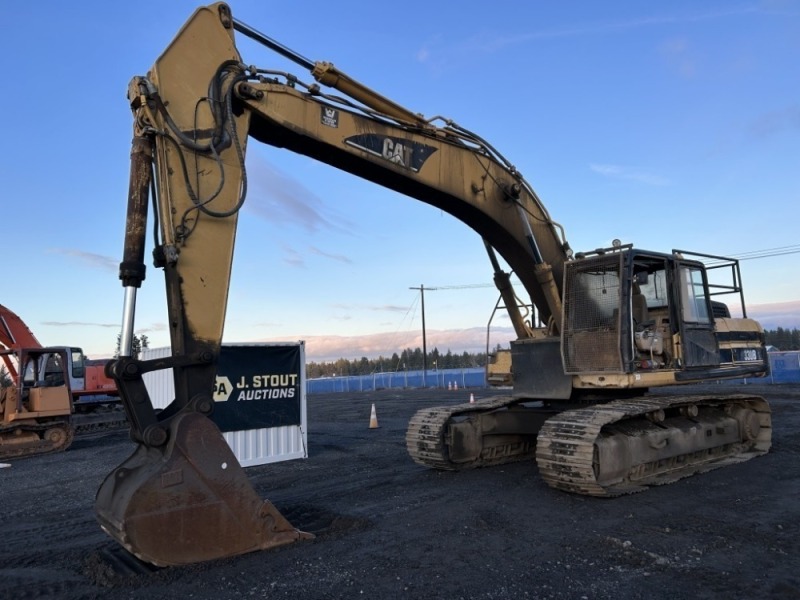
column 260, row 399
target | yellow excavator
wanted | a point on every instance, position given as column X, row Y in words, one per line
column 613, row 322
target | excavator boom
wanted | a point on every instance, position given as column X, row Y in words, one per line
column 14, row 335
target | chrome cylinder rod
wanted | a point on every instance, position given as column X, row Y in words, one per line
column 128, row 317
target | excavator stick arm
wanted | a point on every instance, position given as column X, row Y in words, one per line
column 182, row 497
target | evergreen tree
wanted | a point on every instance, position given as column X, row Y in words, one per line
column 408, row 360
column 448, row 362
column 783, row 339
column 140, row 342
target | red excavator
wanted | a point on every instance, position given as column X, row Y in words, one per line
column 87, row 378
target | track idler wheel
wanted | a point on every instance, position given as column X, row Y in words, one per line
column 189, row 501
column 749, row 423
column 56, row 436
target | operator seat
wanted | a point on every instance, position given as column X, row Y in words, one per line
column 639, row 307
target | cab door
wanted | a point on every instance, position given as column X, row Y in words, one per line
column 698, row 340
column 76, row 368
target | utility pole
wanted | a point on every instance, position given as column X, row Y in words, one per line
column 421, row 289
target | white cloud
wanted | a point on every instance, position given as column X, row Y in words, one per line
column 435, row 52
column 89, row 258
column 78, row 323
column 296, row 258
column 629, row 173
column 376, row 308
column 293, row 258
column 152, row 328
column 776, row 121
column 283, row 200
column 679, row 57
column 336, row 257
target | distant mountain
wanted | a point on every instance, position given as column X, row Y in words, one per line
column 778, row 314
column 321, row 348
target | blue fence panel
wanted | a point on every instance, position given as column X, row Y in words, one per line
column 442, row 378
column 785, row 368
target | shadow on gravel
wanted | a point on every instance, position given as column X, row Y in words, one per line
column 112, row 566
column 323, row 524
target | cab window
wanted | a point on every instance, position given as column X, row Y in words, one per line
column 78, row 369
column 693, row 296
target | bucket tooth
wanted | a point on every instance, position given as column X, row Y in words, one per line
column 189, row 501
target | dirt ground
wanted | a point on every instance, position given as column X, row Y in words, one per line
column 388, row 528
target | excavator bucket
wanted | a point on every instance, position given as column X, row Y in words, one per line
column 189, row 501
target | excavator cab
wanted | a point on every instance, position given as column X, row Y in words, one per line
column 44, row 383
column 635, row 319
column 634, row 312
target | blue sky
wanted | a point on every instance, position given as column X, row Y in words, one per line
column 667, row 125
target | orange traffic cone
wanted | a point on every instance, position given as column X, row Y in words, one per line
column 373, row 418
column 455, row 385
column 471, row 398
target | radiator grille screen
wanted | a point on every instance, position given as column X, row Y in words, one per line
column 592, row 307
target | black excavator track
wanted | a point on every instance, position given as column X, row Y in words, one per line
column 31, row 439
column 428, row 438
column 648, row 441
column 98, row 422
column 28, row 440
column 620, row 447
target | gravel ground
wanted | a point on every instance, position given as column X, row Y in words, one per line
column 388, row 528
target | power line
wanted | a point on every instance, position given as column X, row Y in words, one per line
column 749, row 255
column 767, row 253
column 458, row 287
column 755, row 254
